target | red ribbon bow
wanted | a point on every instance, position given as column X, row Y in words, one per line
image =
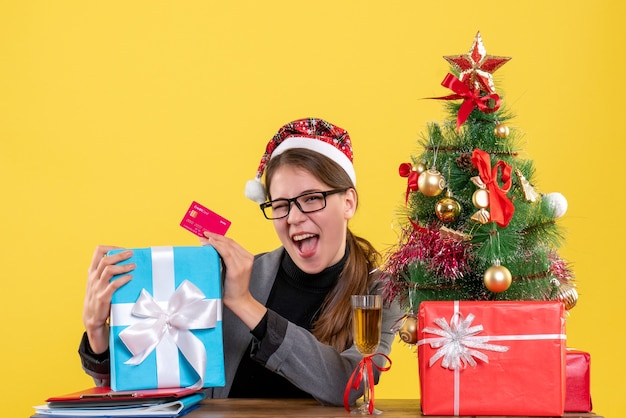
column 406, row 170
column 355, row 380
column 500, row 207
column 471, row 99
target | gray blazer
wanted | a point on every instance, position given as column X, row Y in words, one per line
column 312, row 366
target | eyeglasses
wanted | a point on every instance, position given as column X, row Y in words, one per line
column 306, row 202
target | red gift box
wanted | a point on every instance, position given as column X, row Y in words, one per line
column 492, row 358
column 577, row 381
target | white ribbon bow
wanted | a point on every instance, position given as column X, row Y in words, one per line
column 186, row 309
column 459, row 344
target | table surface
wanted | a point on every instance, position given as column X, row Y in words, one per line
column 245, row 408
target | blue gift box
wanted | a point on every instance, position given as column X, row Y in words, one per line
column 166, row 323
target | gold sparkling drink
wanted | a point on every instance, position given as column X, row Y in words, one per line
column 367, row 320
column 367, row 327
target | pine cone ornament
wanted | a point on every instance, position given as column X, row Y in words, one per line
column 464, row 162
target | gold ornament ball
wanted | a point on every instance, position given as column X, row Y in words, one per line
column 480, row 199
column 448, row 209
column 501, row 131
column 408, row 330
column 419, row 167
column 568, row 295
column 431, row 182
column 497, row 279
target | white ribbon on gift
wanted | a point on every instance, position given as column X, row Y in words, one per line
column 458, row 345
column 166, row 324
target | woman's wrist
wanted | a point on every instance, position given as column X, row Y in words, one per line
column 98, row 338
column 249, row 310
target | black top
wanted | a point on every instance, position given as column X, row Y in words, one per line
column 297, row 297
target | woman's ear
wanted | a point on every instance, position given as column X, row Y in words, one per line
column 350, row 203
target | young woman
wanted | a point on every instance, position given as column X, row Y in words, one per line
column 287, row 317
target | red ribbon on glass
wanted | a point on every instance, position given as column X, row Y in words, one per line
column 355, row 380
column 406, row 170
column 500, row 207
column 471, row 99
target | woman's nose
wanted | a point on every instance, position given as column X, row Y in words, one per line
column 295, row 214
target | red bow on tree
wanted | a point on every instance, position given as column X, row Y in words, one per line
column 471, row 99
column 406, row 170
column 500, row 207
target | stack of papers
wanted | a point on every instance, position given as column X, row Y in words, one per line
column 105, row 403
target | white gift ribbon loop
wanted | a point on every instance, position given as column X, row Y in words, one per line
column 186, row 309
column 458, row 343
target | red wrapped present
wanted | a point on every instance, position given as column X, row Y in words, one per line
column 492, row 358
column 577, row 381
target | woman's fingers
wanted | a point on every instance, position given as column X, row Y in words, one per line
column 100, row 287
column 236, row 258
column 98, row 254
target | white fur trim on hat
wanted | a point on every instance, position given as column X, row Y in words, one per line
column 323, row 148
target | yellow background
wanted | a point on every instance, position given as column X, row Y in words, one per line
column 115, row 115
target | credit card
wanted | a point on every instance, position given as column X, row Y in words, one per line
column 199, row 219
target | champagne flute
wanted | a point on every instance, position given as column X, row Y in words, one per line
column 367, row 318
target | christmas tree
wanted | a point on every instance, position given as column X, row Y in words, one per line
column 473, row 226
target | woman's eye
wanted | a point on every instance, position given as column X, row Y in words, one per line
column 280, row 205
column 313, row 198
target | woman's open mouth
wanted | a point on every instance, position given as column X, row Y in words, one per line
column 306, row 243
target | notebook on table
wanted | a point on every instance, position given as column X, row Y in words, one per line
column 104, row 396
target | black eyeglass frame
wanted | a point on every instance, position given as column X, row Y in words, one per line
column 294, row 200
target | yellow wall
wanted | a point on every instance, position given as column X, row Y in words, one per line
column 115, row 115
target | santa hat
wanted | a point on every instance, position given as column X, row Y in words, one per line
column 310, row 133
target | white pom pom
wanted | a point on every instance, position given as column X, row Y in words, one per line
column 255, row 191
column 557, row 202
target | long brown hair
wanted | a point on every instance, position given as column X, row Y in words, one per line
column 334, row 324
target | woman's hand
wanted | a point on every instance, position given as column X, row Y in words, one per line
column 238, row 262
column 99, row 291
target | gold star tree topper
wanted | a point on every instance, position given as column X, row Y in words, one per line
column 476, row 67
